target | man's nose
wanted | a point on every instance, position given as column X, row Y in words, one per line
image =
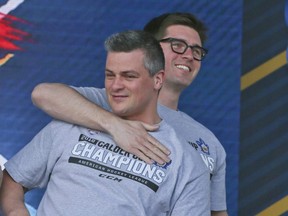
column 117, row 83
column 188, row 53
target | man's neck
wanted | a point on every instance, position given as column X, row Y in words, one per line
column 169, row 98
column 148, row 116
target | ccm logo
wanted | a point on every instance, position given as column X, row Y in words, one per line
column 110, row 177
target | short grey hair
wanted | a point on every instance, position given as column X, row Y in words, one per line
column 131, row 40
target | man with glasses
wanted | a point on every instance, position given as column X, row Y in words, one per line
column 181, row 36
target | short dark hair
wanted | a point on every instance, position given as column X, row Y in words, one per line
column 128, row 41
column 158, row 25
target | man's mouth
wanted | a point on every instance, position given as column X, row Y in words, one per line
column 118, row 97
column 183, row 67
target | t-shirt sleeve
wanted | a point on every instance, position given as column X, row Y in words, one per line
column 218, row 189
column 32, row 165
column 95, row 95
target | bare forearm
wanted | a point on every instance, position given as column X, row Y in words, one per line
column 64, row 103
column 16, row 212
column 12, row 198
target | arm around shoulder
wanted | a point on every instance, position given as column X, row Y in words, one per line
column 57, row 100
column 65, row 103
column 62, row 102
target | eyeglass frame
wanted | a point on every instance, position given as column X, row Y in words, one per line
column 170, row 40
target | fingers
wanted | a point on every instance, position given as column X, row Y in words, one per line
column 152, row 148
column 157, row 152
column 155, row 144
column 143, row 157
column 149, row 127
column 152, row 151
column 132, row 136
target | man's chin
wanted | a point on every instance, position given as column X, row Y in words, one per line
column 120, row 112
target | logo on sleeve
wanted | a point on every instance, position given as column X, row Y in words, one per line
column 203, row 146
column 204, row 152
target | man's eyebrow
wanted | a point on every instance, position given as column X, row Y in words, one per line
column 108, row 70
column 125, row 71
column 129, row 71
column 122, row 72
column 180, row 39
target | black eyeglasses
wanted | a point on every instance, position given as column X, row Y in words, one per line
column 179, row 46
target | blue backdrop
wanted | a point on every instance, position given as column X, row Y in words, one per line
column 65, row 44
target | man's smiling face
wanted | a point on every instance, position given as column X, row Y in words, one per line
column 180, row 69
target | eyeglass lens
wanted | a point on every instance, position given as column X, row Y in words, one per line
column 180, row 47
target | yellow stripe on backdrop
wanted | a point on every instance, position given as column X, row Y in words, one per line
column 263, row 70
column 280, row 207
column 277, row 209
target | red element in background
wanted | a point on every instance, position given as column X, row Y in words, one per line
column 9, row 34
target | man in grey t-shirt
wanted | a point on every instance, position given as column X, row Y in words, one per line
column 182, row 37
column 86, row 173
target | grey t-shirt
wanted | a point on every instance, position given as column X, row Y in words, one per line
column 208, row 147
column 86, row 173
column 194, row 133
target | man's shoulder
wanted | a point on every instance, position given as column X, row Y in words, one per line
column 169, row 136
column 188, row 127
column 179, row 118
column 90, row 90
column 95, row 95
column 202, row 130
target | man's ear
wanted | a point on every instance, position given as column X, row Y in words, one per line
column 159, row 79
